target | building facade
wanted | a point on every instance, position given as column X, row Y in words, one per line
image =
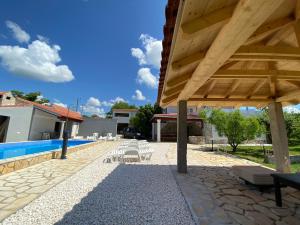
column 123, row 117
column 22, row 120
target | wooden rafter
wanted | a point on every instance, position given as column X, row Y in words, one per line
column 218, row 17
column 255, row 88
column 209, row 88
column 248, row 53
column 232, row 88
column 241, row 74
column 268, row 28
column 289, row 96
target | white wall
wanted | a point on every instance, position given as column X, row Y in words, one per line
column 41, row 122
column 124, row 119
column 19, row 122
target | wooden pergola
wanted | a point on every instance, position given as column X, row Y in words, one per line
column 232, row 53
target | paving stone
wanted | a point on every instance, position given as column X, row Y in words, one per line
column 4, row 213
column 22, row 189
column 7, row 193
column 241, row 219
column 232, row 191
column 291, row 220
column 268, row 203
column 281, row 212
column 14, row 187
column 233, row 208
column 254, row 195
column 20, row 202
column 259, row 218
column 8, row 200
column 245, row 207
column 266, row 211
column 240, row 199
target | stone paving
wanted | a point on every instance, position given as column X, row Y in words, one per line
column 215, row 196
column 19, row 188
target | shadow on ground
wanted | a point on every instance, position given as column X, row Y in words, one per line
column 132, row 194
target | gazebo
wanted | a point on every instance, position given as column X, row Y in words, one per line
column 231, row 53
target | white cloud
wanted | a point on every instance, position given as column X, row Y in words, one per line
column 138, row 95
column 59, row 103
column 118, row 99
column 43, row 38
column 152, row 53
column 92, row 101
column 93, row 110
column 146, row 77
column 92, row 106
column 107, row 103
column 291, row 109
column 19, row 34
column 38, row 61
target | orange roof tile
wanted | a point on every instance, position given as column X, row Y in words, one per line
column 58, row 110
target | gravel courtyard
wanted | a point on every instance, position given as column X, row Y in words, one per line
column 112, row 193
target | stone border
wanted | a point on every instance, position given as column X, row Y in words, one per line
column 21, row 162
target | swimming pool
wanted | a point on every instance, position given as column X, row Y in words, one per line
column 10, row 150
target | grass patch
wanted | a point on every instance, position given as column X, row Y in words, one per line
column 256, row 154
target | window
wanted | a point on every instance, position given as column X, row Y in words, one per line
column 121, row 114
column 8, row 97
column 191, row 110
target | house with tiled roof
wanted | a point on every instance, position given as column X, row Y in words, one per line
column 23, row 120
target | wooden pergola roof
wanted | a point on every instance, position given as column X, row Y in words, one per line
column 231, row 53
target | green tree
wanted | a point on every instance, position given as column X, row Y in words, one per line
column 236, row 127
column 292, row 123
column 17, row 93
column 31, row 96
column 142, row 120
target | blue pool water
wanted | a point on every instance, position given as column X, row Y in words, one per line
column 10, row 150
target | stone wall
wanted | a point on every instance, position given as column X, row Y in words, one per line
column 293, row 159
column 17, row 163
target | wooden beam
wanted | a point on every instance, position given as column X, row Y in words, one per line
column 255, row 73
column 193, row 58
column 247, row 53
column 269, row 28
column 174, row 90
column 170, row 99
column 297, row 10
column 232, row 88
column 289, row 96
column 297, row 31
column 202, row 23
column 209, row 88
column 230, row 100
column 280, row 35
column 240, row 74
column 178, row 80
column 292, row 82
column 272, row 84
column 256, row 87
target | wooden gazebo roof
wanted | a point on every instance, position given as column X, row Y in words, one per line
column 231, row 53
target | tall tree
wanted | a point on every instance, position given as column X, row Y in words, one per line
column 142, row 120
column 236, row 127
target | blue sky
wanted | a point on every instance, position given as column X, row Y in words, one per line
column 100, row 51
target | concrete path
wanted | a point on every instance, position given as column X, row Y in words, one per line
column 19, row 188
column 112, row 193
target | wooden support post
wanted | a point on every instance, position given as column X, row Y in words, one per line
column 181, row 136
column 279, row 137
